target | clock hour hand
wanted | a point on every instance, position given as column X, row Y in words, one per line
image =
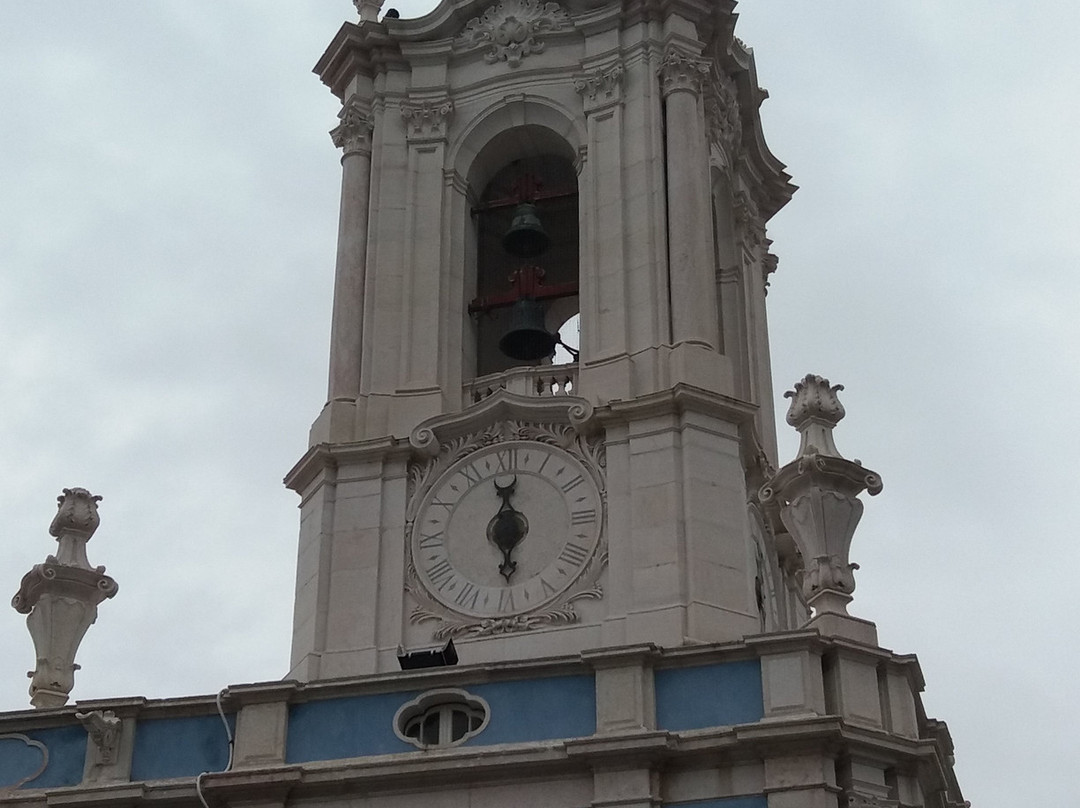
column 507, row 528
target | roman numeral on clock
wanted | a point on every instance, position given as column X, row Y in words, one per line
column 467, row 596
column 507, row 460
column 574, row 554
column 570, row 485
column 583, row 516
column 441, row 573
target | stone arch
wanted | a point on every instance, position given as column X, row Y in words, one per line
column 517, row 135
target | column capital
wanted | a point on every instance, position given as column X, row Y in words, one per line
column 600, row 88
column 682, row 71
column 353, row 134
column 427, row 120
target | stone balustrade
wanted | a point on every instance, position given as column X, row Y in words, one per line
column 546, row 380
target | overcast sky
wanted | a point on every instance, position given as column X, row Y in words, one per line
column 168, row 215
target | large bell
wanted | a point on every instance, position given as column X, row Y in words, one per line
column 527, row 340
column 526, row 236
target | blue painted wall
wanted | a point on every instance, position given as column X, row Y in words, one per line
column 180, row 747
column 537, row 710
column 760, row 801
column 67, row 756
column 528, row 710
column 709, row 696
column 342, row 728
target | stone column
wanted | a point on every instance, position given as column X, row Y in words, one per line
column 690, row 255
column 353, row 136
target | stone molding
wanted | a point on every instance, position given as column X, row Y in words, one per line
column 681, row 71
column 426, row 121
column 511, row 30
column 856, row 799
column 353, row 134
column 430, row 437
column 33, row 744
column 600, row 88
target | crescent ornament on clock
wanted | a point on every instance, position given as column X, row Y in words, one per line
column 506, row 529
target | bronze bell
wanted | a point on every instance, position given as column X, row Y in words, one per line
column 526, row 236
column 527, row 340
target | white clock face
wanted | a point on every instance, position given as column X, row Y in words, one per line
column 506, row 529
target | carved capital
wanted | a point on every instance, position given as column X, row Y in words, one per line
column 600, row 88
column 750, row 226
column 682, row 72
column 353, row 134
column 513, row 29
column 722, row 114
column 427, row 120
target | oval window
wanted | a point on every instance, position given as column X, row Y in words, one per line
column 441, row 718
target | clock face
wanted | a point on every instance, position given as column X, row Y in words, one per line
column 506, row 529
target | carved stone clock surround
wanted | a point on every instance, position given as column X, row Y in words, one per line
column 559, row 423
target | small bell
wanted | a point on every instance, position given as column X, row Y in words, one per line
column 526, row 236
column 527, row 340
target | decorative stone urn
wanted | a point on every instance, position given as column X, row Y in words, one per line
column 817, row 496
column 60, row 597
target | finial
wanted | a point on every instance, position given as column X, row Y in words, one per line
column 60, row 597
column 814, row 412
column 368, row 9
column 817, row 497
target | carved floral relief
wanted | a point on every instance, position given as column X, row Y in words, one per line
column 513, row 29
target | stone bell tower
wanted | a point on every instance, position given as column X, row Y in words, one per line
column 506, row 166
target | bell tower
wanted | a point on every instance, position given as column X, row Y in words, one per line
column 507, row 165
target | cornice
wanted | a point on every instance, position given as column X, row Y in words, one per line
column 362, row 49
column 329, row 455
column 680, row 398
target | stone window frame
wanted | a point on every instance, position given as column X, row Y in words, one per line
column 442, row 702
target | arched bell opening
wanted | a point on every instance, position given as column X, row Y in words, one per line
column 525, row 225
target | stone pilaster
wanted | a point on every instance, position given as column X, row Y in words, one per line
column 427, row 123
column 602, row 214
